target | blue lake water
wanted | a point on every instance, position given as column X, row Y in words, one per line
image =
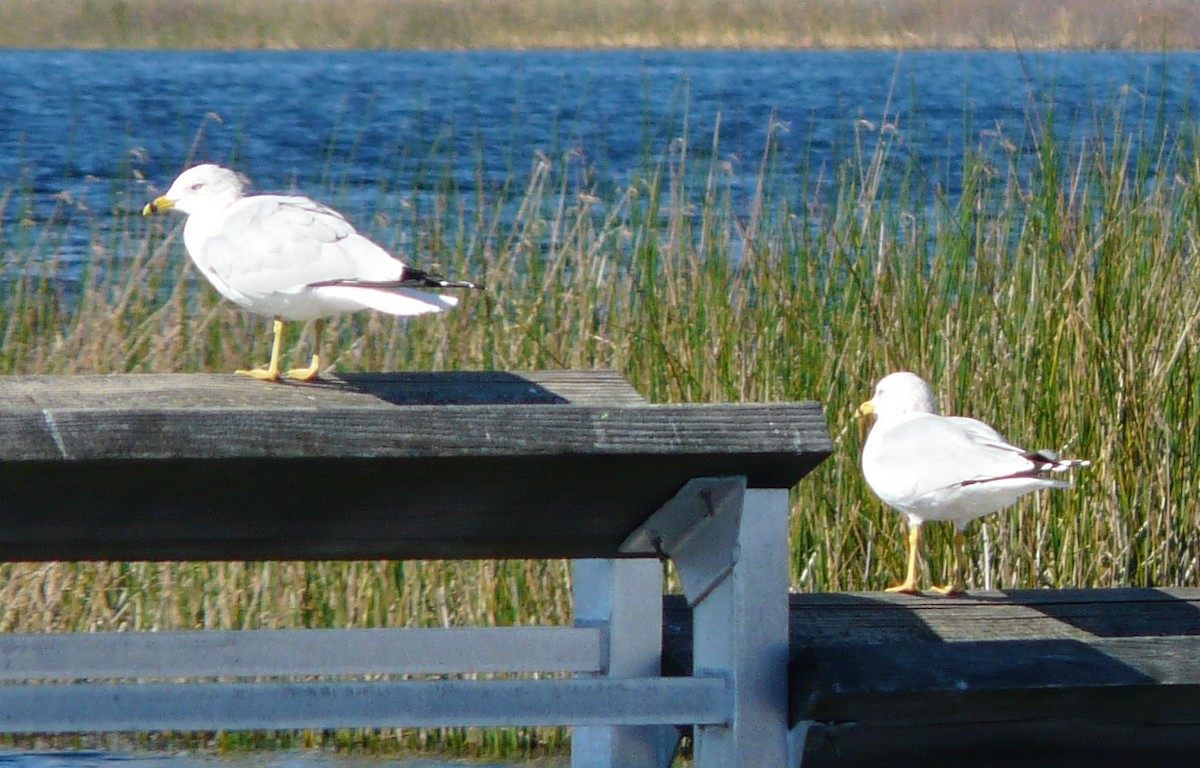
column 369, row 128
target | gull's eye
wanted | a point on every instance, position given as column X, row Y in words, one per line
column 199, row 185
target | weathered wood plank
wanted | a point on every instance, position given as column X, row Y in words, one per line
column 981, row 617
column 1080, row 614
column 412, row 431
column 1046, row 677
column 212, row 468
column 968, row 682
column 834, row 619
column 361, row 390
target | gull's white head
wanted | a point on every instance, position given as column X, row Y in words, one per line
column 200, row 189
column 899, row 393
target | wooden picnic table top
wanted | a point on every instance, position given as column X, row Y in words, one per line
column 369, row 466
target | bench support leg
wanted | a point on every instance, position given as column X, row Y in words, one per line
column 625, row 597
column 741, row 631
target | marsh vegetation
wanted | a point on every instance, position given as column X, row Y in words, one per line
column 436, row 24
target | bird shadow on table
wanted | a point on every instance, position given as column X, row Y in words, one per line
column 445, row 388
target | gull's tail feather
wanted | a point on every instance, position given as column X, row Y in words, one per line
column 395, row 297
column 394, row 301
column 1062, row 465
column 1042, row 465
column 1053, row 482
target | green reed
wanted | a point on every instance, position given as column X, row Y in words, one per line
column 1056, row 298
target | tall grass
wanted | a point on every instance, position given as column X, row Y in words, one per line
column 1056, row 297
column 455, row 24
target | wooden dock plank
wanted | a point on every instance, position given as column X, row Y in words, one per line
column 865, row 618
column 1045, row 677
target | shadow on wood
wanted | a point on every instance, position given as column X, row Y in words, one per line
column 486, row 388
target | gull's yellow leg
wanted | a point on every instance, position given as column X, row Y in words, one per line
column 310, row 373
column 957, row 582
column 271, row 372
column 910, row 581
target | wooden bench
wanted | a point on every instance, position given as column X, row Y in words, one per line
column 454, row 465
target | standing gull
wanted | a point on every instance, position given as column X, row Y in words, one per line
column 291, row 258
column 933, row 467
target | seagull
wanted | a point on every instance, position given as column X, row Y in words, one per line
column 291, row 258
column 933, row 467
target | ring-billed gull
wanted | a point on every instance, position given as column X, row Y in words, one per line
column 933, row 467
column 291, row 258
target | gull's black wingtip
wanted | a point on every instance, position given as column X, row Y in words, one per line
column 417, row 278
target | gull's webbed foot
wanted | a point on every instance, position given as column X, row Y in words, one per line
column 953, row 588
column 305, row 374
column 310, row 373
column 906, row 587
column 262, row 374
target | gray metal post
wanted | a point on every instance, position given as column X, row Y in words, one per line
column 741, row 630
column 625, row 598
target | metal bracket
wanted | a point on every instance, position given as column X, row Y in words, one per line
column 698, row 529
column 797, row 737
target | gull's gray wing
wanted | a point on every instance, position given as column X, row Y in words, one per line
column 924, row 453
column 274, row 243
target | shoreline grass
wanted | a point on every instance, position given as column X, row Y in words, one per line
column 1056, row 298
column 551, row 24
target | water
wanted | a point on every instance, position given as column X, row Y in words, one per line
column 368, row 130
